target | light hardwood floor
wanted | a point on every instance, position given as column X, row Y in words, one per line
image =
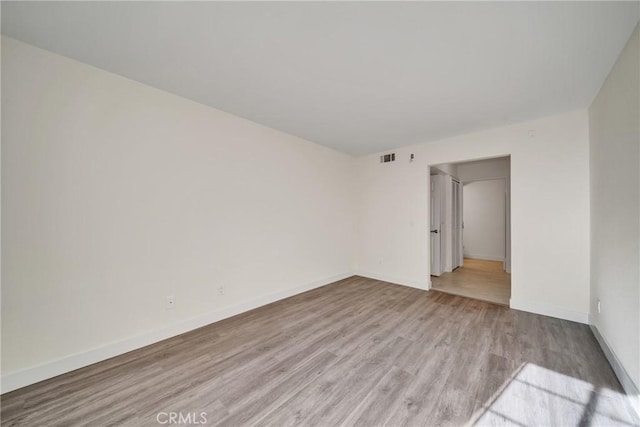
column 479, row 279
column 356, row 352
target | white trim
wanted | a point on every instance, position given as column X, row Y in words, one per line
column 548, row 310
column 14, row 380
column 623, row 376
column 484, row 257
column 425, row 286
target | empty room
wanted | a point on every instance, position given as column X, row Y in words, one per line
column 320, row 213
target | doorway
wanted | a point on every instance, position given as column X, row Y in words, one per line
column 485, row 219
column 470, row 229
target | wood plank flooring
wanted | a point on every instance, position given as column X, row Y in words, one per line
column 479, row 279
column 358, row 352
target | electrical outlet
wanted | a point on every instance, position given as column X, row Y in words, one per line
column 220, row 290
column 171, row 302
column 598, row 305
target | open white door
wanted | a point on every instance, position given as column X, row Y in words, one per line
column 436, row 267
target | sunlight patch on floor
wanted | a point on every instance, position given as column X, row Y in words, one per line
column 534, row 393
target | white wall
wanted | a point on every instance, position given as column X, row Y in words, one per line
column 484, row 169
column 116, row 195
column 447, row 169
column 549, row 211
column 615, row 209
column 484, row 219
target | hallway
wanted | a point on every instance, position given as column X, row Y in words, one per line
column 479, row 279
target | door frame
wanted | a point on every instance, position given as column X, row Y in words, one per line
column 464, row 159
column 457, row 210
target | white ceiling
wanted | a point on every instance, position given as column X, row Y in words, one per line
column 358, row 77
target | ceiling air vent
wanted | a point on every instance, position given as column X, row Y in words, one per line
column 386, row 158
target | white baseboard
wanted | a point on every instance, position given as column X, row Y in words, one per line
column 548, row 310
column 484, row 257
column 14, row 380
column 425, row 286
column 623, row 376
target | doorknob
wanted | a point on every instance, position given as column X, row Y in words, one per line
column 434, row 231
